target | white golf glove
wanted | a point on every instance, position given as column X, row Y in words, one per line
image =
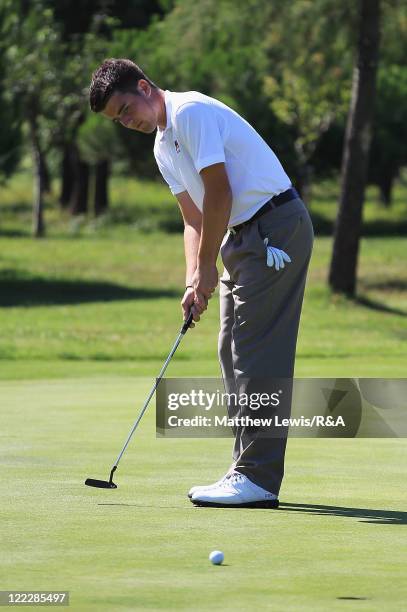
column 276, row 257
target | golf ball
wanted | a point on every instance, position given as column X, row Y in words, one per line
column 216, row 557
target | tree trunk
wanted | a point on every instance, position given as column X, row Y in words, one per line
column 39, row 190
column 342, row 274
column 80, row 189
column 101, row 188
column 67, row 176
column 46, row 177
column 303, row 182
column 38, row 224
column 386, row 180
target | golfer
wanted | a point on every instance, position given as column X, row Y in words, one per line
column 236, row 198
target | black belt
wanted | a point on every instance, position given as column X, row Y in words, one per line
column 278, row 200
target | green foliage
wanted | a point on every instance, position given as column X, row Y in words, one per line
column 98, row 140
column 292, row 68
column 46, row 74
column 390, row 133
column 10, row 141
column 393, row 48
column 205, row 46
column 11, row 138
column 208, row 46
column 285, row 69
column 10, row 111
column 285, row 66
column 33, row 56
column 310, row 68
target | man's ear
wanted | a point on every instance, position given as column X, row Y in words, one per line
column 144, row 87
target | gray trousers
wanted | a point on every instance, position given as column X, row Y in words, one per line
column 260, row 310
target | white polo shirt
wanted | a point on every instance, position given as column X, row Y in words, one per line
column 202, row 131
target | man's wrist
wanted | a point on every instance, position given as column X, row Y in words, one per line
column 205, row 261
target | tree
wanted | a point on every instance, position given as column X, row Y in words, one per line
column 10, row 114
column 285, row 73
column 208, row 46
column 32, row 55
column 53, row 99
column 87, row 32
column 388, row 149
column 85, row 42
column 99, row 145
column 307, row 79
column 342, row 273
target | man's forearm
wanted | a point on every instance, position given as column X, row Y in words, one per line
column 192, row 237
column 215, row 218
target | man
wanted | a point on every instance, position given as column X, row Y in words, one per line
column 234, row 197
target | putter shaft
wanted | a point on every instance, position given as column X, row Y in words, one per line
column 110, row 484
column 184, row 328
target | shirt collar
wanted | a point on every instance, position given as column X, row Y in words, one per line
column 167, row 100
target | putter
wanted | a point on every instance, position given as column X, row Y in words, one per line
column 109, row 484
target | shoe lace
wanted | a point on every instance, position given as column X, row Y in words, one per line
column 233, row 478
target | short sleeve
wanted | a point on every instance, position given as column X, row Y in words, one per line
column 174, row 185
column 198, row 130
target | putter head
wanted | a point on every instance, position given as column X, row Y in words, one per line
column 100, row 484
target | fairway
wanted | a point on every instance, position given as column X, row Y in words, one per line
column 84, row 331
column 85, row 328
column 338, row 533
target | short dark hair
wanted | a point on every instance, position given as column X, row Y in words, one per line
column 114, row 75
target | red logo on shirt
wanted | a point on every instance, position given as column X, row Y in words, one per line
column 178, row 150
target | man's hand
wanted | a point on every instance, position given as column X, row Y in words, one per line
column 188, row 305
column 204, row 282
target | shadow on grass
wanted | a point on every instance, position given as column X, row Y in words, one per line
column 391, row 284
column 378, row 306
column 367, row 515
column 380, row 517
column 39, row 292
column 366, row 302
column 354, row 598
column 13, row 233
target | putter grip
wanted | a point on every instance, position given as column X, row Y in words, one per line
column 187, row 323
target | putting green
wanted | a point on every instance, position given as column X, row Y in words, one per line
column 338, row 534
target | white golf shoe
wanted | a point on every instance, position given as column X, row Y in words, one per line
column 235, row 491
column 210, row 486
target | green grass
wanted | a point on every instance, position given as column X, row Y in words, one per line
column 377, row 219
column 143, row 546
column 139, row 205
column 115, row 301
column 147, row 206
column 88, row 316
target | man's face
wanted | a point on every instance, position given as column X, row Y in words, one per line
column 133, row 111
